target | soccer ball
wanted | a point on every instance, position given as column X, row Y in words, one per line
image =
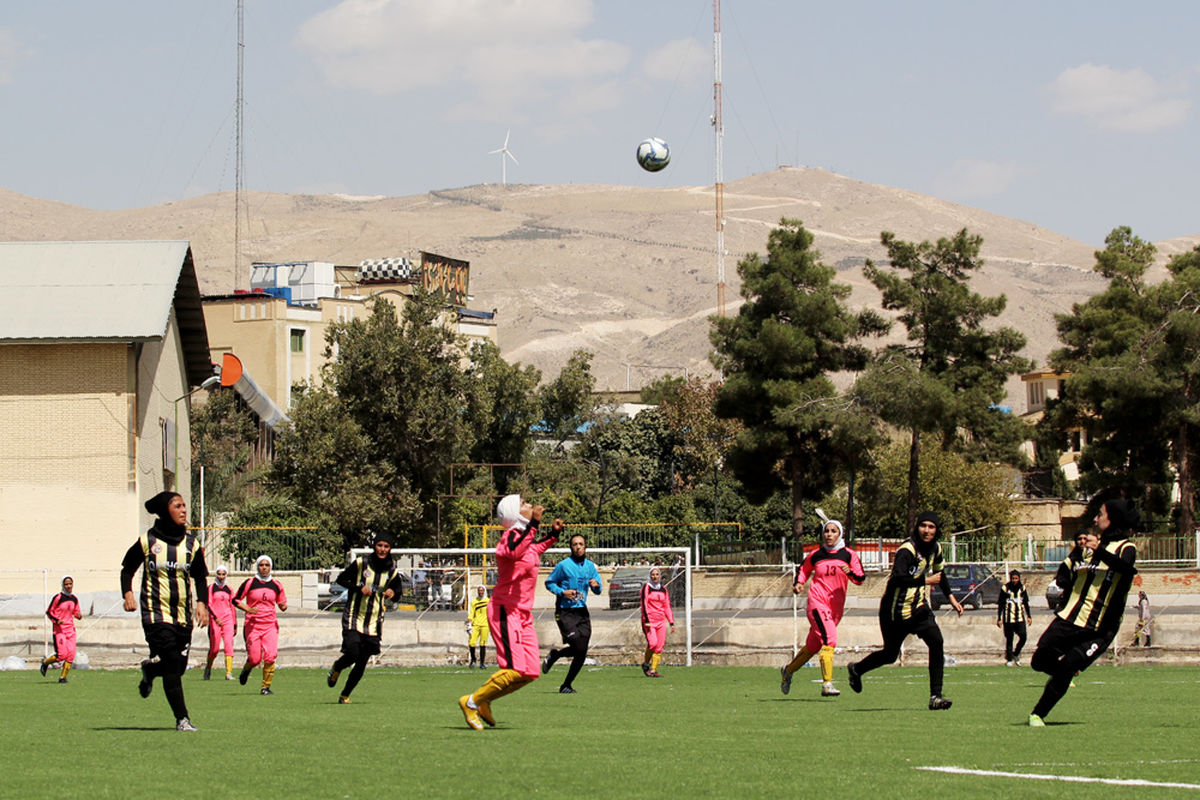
column 653, row 154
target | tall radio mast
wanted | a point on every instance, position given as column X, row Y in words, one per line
column 239, row 157
column 719, row 133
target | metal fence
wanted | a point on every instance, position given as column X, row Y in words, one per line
column 298, row 548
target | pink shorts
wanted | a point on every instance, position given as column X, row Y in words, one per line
column 64, row 646
column 262, row 644
column 515, row 640
column 219, row 634
column 656, row 636
column 823, row 630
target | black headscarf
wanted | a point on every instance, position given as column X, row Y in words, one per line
column 165, row 527
column 1122, row 518
column 925, row 548
column 375, row 559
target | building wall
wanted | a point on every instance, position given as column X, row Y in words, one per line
column 68, row 466
column 82, row 427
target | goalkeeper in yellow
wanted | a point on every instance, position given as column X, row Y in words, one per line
column 477, row 626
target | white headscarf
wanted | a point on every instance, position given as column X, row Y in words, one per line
column 270, row 566
column 650, row 580
column 509, row 511
column 63, row 584
column 225, row 569
column 841, row 542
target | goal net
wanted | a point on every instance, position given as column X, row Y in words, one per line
column 439, row 583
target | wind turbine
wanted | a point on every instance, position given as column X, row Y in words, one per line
column 504, row 151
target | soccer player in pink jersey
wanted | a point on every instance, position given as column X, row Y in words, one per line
column 656, row 615
column 63, row 611
column 510, row 614
column 222, row 622
column 258, row 597
column 831, row 566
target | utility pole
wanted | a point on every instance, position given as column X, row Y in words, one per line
column 719, row 133
column 239, row 157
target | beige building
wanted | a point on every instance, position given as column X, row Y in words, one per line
column 1040, row 386
column 277, row 328
column 100, row 344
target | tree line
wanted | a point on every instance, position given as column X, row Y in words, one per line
column 415, row 431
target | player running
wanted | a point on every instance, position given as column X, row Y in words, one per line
column 656, row 615
column 831, row 566
column 222, row 622
column 63, row 611
column 258, row 597
column 370, row 581
column 904, row 609
column 1085, row 626
column 510, row 614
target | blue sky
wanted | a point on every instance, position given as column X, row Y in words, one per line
column 1078, row 116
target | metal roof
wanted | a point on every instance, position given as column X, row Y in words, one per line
column 102, row 292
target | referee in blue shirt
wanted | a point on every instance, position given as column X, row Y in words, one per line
column 571, row 580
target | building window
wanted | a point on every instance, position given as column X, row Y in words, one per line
column 297, row 340
column 1076, row 441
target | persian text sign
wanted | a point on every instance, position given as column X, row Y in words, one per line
column 447, row 277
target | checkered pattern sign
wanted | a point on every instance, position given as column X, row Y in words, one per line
column 375, row 269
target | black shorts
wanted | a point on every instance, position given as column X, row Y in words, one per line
column 359, row 645
column 1074, row 647
column 575, row 625
column 169, row 644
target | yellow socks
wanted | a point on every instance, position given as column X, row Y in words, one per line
column 66, row 667
column 646, row 656
column 800, row 660
column 826, row 656
column 654, row 659
column 268, row 674
column 228, row 665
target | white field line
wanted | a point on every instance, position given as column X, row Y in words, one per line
column 1064, row 778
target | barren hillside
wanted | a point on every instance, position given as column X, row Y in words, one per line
column 629, row 274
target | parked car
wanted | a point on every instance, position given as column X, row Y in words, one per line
column 625, row 586
column 973, row 585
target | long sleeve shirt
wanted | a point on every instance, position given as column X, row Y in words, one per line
column 828, row 588
column 656, row 605
column 1014, row 603
column 518, row 558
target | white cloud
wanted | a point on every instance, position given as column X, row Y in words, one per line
column 969, row 178
column 1119, row 100
column 12, row 53
column 683, row 59
column 504, row 52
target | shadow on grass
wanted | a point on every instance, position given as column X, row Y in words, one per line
column 134, row 728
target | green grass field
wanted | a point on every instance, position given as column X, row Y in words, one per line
column 699, row 732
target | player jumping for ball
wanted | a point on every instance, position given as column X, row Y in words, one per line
column 831, row 566
column 510, row 614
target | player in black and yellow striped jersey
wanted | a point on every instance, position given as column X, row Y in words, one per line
column 172, row 562
column 370, row 581
column 1087, row 622
column 1013, row 614
column 904, row 609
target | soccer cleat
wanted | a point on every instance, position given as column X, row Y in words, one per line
column 146, row 684
column 343, row 701
column 1016, row 662
column 829, row 690
column 939, row 703
column 1009, row 663
column 546, row 664
column 244, row 676
column 43, row 668
column 1036, row 722
column 62, row 680
column 186, row 726
column 854, row 678
column 653, row 674
column 484, row 710
column 785, row 682
column 265, row 690
column 646, row 669
column 228, row 676
column 569, row 690
column 332, row 678
column 470, row 714
column 208, row 672
column 1072, row 685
